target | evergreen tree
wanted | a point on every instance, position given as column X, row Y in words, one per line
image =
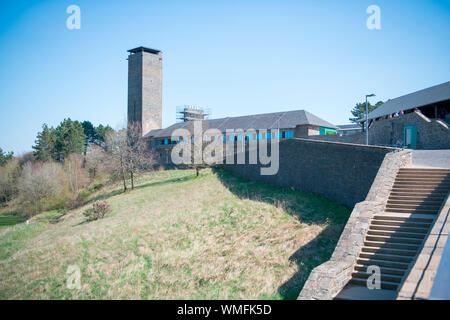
column 100, row 134
column 359, row 111
column 44, row 149
column 89, row 131
column 5, row 157
column 70, row 138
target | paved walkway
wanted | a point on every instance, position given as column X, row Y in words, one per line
column 431, row 158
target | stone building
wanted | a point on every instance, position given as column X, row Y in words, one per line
column 145, row 111
column 418, row 120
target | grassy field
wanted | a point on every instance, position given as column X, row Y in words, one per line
column 176, row 236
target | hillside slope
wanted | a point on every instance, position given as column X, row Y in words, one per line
column 176, row 237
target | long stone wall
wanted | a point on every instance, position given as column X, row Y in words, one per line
column 339, row 171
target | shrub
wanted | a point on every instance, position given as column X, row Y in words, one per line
column 42, row 186
column 98, row 210
column 96, row 187
column 9, row 175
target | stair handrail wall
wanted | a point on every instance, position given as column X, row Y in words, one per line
column 329, row 278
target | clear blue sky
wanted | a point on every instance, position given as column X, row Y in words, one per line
column 235, row 57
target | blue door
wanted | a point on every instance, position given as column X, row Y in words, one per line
column 410, row 137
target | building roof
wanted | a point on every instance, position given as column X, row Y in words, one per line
column 144, row 49
column 352, row 126
column 420, row 98
column 282, row 120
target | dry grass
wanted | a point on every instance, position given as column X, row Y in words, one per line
column 176, row 237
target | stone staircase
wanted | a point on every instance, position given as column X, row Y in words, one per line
column 395, row 237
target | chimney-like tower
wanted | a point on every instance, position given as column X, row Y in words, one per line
column 145, row 89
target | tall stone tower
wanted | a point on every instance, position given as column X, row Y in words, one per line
column 145, row 89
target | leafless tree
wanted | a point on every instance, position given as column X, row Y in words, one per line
column 76, row 174
column 97, row 160
column 130, row 152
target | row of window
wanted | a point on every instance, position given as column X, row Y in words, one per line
column 239, row 137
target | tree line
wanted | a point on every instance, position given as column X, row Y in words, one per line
column 69, row 162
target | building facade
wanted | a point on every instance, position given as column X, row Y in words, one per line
column 145, row 89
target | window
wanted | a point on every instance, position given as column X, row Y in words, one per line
column 288, row 134
column 166, row 141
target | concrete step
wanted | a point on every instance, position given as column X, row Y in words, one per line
column 414, row 185
column 383, row 277
column 423, row 175
column 399, row 252
column 419, row 189
column 423, row 170
column 398, row 229
column 413, row 201
column 381, row 244
column 384, row 284
column 414, row 206
column 385, row 256
column 418, row 193
column 383, row 270
column 387, row 239
column 401, row 224
column 414, row 218
column 396, row 234
column 421, row 197
column 383, row 263
column 356, row 292
column 417, row 211
column 423, row 180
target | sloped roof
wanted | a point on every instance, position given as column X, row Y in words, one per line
column 413, row 100
column 282, row 120
column 349, row 126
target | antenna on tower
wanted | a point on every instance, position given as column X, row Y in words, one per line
column 192, row 112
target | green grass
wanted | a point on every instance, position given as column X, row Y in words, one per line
column 176, row 236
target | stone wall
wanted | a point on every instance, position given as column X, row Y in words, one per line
column 339, row 171
column 328, row 279
column 431, row 133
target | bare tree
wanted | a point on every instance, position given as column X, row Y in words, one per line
column 97, row 160
column 76, row 175
column 131, row 153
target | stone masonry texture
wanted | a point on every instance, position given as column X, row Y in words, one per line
column 145, row 90
column 341, row 172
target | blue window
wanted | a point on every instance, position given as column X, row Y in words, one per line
column 166, row 141
column 289, row 134
column 269, row 135
column 231, row 138
column 239, row 137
